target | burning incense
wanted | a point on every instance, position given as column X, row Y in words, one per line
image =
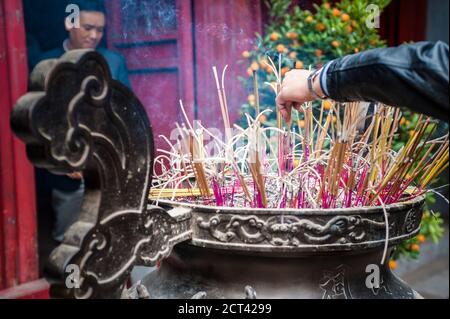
column 328, row 161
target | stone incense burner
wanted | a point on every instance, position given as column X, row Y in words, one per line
column 78, row 119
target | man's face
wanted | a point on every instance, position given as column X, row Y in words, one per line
column 90, row 33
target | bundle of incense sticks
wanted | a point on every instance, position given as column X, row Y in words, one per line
column 325, row 160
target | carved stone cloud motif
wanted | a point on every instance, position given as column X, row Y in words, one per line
column 77, row 118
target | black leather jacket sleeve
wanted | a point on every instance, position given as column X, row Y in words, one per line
column 411, row 75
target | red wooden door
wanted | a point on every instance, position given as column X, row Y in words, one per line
column 156, row 39
column 18, row 256
column 171, row 46
column 223, row 30
column 403, row 21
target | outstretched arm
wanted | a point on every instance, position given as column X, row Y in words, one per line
column 413, row 75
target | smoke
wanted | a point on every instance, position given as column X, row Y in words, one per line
column 157, row 17
column 153, row 17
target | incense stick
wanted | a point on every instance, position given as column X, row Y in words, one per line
column 337, row 165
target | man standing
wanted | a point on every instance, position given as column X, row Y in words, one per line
column 88, row 35
column 67, row 191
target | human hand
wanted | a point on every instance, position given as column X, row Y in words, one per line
column 294, row 92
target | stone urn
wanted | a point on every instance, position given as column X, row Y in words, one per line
column 77, row 118
column 331, row 254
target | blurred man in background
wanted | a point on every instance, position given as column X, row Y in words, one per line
column 67, row 191
column 88, row 35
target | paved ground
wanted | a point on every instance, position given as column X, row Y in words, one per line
column 429, row 275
